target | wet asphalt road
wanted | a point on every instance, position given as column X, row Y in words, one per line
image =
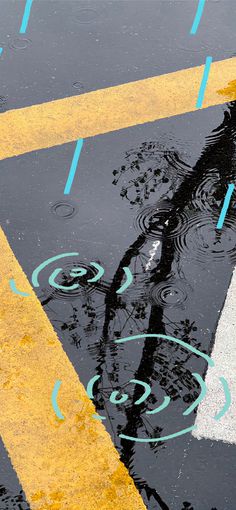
column 163, row 182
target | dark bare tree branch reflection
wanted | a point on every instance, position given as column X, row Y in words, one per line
column 217, row 157
column 193, row 198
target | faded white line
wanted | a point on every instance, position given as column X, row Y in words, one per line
column 224, row 356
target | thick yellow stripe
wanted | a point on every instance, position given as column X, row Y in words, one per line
column 70, row 464
column 57, row 122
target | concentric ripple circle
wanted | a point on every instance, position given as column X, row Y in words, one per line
column 172, row 293
column 64, row 209
column 153, row 220
column 203, row 242
column 65, row 279
column 205, row 196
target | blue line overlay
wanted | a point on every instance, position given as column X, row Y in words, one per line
column 198, row 16
column 1, row 50
column 225, row 206
column 26, row 16
column 73, row 167
column 204, row 82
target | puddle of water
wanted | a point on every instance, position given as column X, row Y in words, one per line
column 181, row 213
column 179, row 295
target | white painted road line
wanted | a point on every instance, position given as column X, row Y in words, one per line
column 224, row 356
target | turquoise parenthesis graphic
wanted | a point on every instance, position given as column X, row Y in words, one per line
column 90, row 394
column 126, row 284
column 161, row 407
column 99, row 274
column 186, row 346
column 90, row 386
column 146, row 392
column 54, row 400
column 227, row 404
column 201, row 396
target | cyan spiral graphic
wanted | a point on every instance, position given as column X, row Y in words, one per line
column 76, row 272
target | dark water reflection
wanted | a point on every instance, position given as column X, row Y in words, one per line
column 12, row 501
column 178, row 206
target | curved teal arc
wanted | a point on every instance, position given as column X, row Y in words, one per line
column 227, row 404
column 99, row 274
column 99, row 417
column 170, row 339
column 15, row 290
column 146, row 392
column 41, row 266
column 75, row 272
column 114, row 400
column 54, row 400
column 51, row 281
column 90, row 385
column 158, row 439
column 164, row 404
column 126, row 284
column 201, row 396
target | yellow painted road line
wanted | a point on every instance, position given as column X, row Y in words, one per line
column 94, row 113
column 66, row 464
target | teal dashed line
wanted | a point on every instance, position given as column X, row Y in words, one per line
column 198, row 16
column 73, row 167
column 26, row 16
column 204, row 82
column 225, row 206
